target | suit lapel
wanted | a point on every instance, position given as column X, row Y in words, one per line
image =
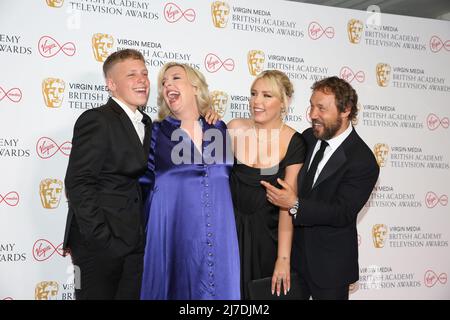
column 148, row 134
column 302, row 175
column 338, row 158
column 333, row 164
column 132, row 135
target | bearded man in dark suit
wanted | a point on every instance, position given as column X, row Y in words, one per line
column 335, row 182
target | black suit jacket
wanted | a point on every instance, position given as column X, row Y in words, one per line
column 326, row 224
column 102, row 188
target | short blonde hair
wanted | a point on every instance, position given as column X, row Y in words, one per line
column 281, row 85
column 196, row 79
column 120, row 56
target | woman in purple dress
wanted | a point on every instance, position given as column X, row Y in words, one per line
column 191, row 250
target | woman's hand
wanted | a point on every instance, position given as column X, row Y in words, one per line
column 281, row 276
column 212, row 116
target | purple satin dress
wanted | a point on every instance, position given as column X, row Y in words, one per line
column 192, row 250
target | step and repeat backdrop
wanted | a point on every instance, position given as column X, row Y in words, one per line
column 51, row 55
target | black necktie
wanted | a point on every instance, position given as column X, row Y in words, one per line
column 309, row 179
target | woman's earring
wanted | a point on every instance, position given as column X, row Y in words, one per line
column 283, row 113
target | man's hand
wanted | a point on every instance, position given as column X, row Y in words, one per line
column 212, row 116
column 284, row 198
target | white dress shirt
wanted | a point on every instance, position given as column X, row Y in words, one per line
column 135, row 117
column 333, row 144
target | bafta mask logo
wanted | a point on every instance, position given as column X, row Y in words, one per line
column 381, row 151
column 46, row 290
column 383, row 71
column 255, row 61
column 53, row 92
column 379, row 233
column 354, row 29
column 50, row 191
column 55, row 3
column 219, row 102
column 219, row 12
column 102, row 45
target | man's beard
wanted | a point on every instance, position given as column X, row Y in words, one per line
column 329, row 130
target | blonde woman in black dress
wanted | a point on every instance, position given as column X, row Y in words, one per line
column 265, row 149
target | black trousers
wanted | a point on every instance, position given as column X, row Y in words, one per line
column 99, row 276
column 310, row 289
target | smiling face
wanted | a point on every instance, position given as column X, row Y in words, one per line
column 265, row 105
column 128, row 81
column 179, row 94
column 327, row 122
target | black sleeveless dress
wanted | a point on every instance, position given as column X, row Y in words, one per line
column 256, row 218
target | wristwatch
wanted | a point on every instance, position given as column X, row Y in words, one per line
column 294, row 209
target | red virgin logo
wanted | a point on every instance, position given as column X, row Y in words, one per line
column 13, row 94
column 44, row 250
column 436, row 44
column 431, row 278
column 49, row 47
column 47, row 148
column 173, row 13
column 432, row 200
column 315, row 31
column 433, row 122
column 348, row 75
column 11, row 199
column 213, row 63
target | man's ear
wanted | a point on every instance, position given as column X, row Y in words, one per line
column 110, row 84
column 346, row 112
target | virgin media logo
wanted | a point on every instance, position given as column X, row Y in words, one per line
column 13, row 94
column 173, row 13
column 49, row 47
column 431, row 278
column 44, row 250
column 315, row 31
column 348, row 75
column 432, row 200
column 436, row 44
column 213, row 63
column 11, row 199
column 47, row 148
column 433, row 122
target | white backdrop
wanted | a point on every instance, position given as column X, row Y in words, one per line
column 51, row 59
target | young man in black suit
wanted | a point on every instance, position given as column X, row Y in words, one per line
column 335, row 182
column 110, row 145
